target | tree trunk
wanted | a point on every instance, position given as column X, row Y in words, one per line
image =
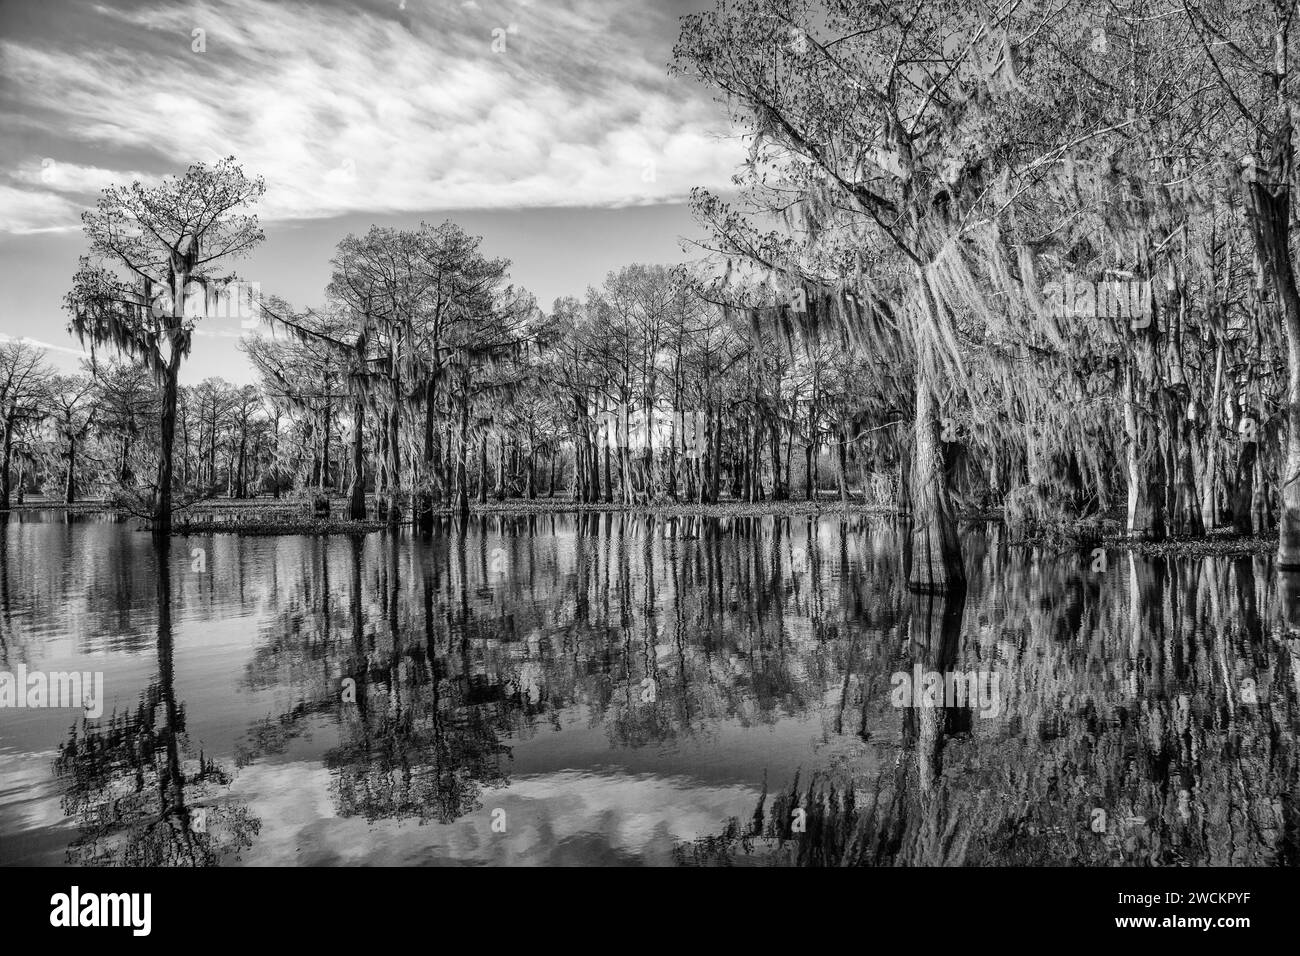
column 1146, row 519
column 1187, row 510
column 499, row 492
column 325, row 448
column 462, row 455
column 1268, row 206
column 530, row 475
column 808, row 488
column 424, row 501
column 624, row 467
column 778, row 476
column 70, row 485
column 162, row 514
column 715, row 465
column 482, row 468
column 357, row 489
column 936, row 551
column 842, row 457
column 1209, row 463
column 448, row 462
column 394, row 448
column 5, row 480
column 593, row 463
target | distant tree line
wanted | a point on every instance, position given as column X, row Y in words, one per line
column 641, row 392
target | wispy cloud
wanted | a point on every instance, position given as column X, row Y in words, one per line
column 50, row 175
column 49, row 346
column 386, row 108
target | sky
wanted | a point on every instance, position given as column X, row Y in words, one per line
column 551, row 128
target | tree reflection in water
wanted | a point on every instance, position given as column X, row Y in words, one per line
column 1150, row 719
column 137, row 797
column 488, row 630
column 1148, row 712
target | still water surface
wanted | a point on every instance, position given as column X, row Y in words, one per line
column 614, row 689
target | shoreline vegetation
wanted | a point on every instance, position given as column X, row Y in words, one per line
column 288, row 516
